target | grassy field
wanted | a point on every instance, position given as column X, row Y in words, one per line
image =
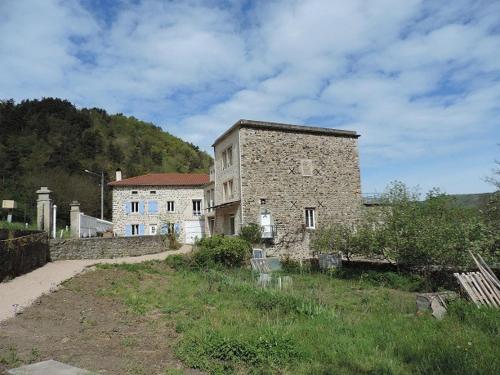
column 321, row 325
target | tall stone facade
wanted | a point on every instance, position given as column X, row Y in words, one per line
column 146, row 216
column 280, row 171
column 283, row 173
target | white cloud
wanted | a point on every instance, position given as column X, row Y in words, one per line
column 418, row 79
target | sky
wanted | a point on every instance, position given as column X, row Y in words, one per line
column 419, row 80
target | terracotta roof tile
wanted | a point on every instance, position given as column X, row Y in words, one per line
column 164, row 179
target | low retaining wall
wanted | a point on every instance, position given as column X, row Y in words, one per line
column 9, row 234
column 103, row 248
column 22, row 254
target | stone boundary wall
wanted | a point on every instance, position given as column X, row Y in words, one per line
column 104, row 248
column 23, row 254
column 9, row 234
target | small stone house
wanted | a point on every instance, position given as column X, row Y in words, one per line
column 288, row 179
column 158, row 203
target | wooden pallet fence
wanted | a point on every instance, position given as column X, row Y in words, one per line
column 482, row 287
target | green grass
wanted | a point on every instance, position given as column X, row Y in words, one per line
column 11, row 358
column 15, row 226
column 324, row 324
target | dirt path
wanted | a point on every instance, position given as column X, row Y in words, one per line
column 84, row 324
column 22, row 291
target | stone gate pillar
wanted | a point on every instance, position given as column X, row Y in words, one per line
column 44, row 209
column 74, row 218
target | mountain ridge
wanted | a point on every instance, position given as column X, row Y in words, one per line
column 50, row 142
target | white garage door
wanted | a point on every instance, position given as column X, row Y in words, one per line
column 193, row 230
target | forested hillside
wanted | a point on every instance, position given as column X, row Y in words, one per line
column 50, row 143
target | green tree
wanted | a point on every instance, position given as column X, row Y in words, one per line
column 51, row 142
column 415, row 233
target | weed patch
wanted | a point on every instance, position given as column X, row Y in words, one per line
column 338, row 323
column 216, row 351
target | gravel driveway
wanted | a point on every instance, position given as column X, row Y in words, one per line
column 25, row 289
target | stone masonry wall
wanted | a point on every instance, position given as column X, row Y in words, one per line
column 230, row 173
column 271, row 169
column 182, row 196
column 104, row 248
column 22, row 253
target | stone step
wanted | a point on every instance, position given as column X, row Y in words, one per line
column 49, row 367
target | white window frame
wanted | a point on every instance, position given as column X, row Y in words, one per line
column 310, row 217
column 197, row 210
column 153, row 229
column 134, row 229
column 170, row 206
column 211, row 200
column 227, row 157
column 134, row 207
column 224, row 160
column 227, row 188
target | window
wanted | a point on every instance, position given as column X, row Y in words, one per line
column 170, row 206
column 211, row 226
column 134, row 207
column 232, row 226
column 306, row 167
column 152, row 192
column 310, row 218
column 153, row 229
column 228, row 190
column 209, row 198
column 171, row 228
column 196, row 207
column 153, row 207
column 134, row 192
column 227, row 157
column 134, row 230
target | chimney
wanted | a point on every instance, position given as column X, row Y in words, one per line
column 118, row 174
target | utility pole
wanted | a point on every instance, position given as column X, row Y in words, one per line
column 102, row 189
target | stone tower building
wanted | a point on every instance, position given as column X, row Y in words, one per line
column 288, row 179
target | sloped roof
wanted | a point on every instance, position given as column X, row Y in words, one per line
column 164, row 179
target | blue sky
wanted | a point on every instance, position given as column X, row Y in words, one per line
column 419, row 80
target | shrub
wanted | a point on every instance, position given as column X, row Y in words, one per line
column 337, row 238
column 178, row 262
column 435, row 231
column 226, row 251
column 290, row 265
column 251, row 233
column 414, row 233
